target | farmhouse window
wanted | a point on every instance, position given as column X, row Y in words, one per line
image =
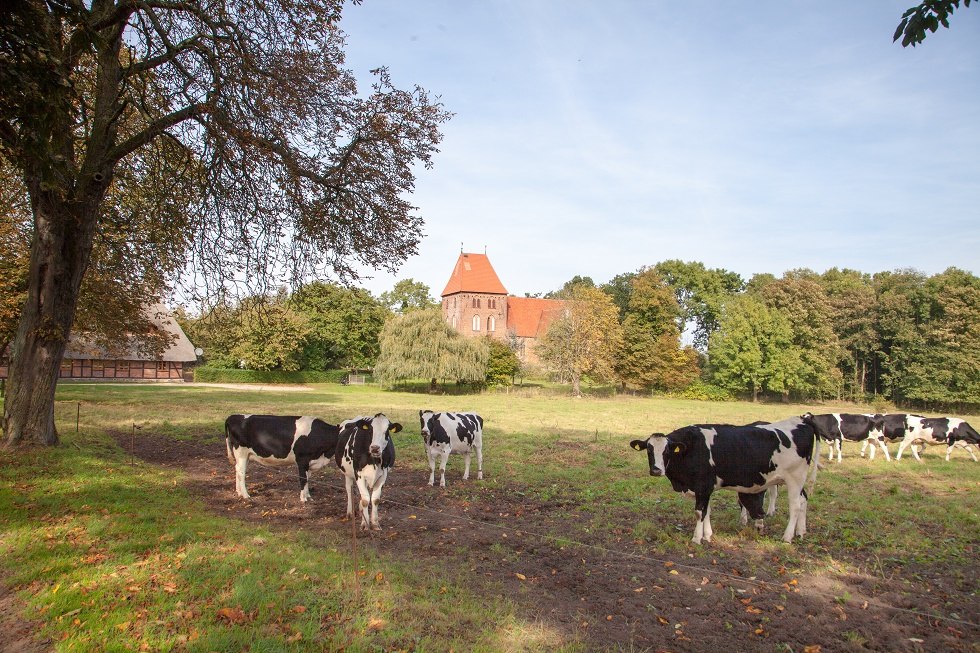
column 161, row 366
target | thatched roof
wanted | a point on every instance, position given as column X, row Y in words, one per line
column 80, row 347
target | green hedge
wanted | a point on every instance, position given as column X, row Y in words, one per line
column 227, row 375
column 701, row 391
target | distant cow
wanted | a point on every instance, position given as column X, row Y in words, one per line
column 837, row 427
column 275, row 441
column 366, row 453
column 446, row 433
column 950, row 431
column 748, row 459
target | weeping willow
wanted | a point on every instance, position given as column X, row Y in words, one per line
column 419, row 345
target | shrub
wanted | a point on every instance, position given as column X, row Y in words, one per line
column 229, row 375
column 701, row 391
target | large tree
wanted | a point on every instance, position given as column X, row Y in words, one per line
column 651, row 356
column 408, row 295
column 296, row 175
column 584, row 339
column 344, row 326
column 420, row 345
column 700, row 292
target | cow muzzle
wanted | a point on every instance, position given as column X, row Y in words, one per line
column 375, row 451
column 656, row 471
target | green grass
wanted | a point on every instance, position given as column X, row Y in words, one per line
column 112, row 556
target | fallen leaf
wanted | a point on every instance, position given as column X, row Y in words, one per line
column 639, row 589
column 376, row 624
column 674, row 572
column 609, row 617
column 704, row 580
column 233, row 615
column 812, row 648
column 662, row 620
column 379, row 577
column 299, row 609
column 521, row 576
column 668, row 564
column 123, row 626
column 759, row 631
column 295, row 638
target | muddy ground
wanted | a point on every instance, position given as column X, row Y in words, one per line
column 609, row 588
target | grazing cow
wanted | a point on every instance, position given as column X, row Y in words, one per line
column 366, row 453
column 701, row 458
column 274, row 441
column 446, row 433
column 950, row 431
column 837, row 427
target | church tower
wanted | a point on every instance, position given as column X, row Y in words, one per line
column 474, row 301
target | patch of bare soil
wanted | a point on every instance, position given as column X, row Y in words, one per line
column 603, row 584
column 18, row 634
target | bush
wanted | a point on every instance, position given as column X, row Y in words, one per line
column 229, row 375
column 701, row 391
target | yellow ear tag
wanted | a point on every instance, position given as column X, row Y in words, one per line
column 677, row 449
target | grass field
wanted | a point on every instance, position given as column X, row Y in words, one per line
column 568, row 543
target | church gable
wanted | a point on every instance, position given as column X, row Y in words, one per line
column 474, row 274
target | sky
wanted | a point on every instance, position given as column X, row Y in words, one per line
column 596, row 138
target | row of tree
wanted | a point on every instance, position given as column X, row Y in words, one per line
column 903, row 335
column 912, row 338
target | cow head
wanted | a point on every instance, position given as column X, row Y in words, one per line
column 380, row 428
column 655, row 447
column 424, row 417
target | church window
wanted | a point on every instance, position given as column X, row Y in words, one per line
column 491, row 324
column 476, row 322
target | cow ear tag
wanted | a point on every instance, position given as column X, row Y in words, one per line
column 677, row 449
column 364, row 427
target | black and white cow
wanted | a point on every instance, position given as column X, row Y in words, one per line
column 837, row 427
column 275, row 441
column 701, row 458
column 950, row 431
column 366, row 453
column 446, row 433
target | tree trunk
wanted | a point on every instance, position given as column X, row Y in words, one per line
column 59, row 256
column 755, row 394
column 576, row 385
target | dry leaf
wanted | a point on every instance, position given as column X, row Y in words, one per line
column 663, row 621
column 674, row 572
column 123, row 626
column 299, row 609
column 521, row 576
column 295, row 638
column 379, row 577
column 812, row 648
column 233, row 615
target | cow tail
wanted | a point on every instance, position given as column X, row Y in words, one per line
column 814, row 462
column 231, row 457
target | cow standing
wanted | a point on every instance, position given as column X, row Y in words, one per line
column 837, row 427
column 365, row 454
column 950, row 431
column 446, row 433
column 275, row 441
column 701, row 458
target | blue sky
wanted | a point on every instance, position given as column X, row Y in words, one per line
column 596, row 138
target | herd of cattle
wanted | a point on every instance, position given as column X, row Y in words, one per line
column 697, row 459
column 362, row 448
column 761, row 456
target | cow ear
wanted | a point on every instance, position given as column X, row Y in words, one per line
column 677, row 447
column 396, row 427
column 639, row 445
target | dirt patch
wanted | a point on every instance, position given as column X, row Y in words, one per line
column 19, row 634
column 583, row 571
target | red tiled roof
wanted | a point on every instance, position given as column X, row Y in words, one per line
column 529, row 317
column 473, row 273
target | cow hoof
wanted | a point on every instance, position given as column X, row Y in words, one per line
column 479, row 476
column 375, row 527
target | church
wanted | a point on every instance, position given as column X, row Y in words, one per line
column 475, row 303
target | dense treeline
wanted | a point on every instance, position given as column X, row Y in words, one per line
column 902, row 336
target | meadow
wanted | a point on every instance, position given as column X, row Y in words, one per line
column 129, row 536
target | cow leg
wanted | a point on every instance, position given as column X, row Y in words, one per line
column 375, row 500
column 871, row 455
column 864, row 446
column 241, row 465
column 901, row 448
column 479, row 463
column 884, row 448
column 348, row 483
column 365, row 502
column 702, row 527
column 304, row 479
column 466, row 465
column 797, row 511
column 837, row 444
column 773, row 492
column 915, row 451
column 966, row 447
column 443, row 459
column 432, row 466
